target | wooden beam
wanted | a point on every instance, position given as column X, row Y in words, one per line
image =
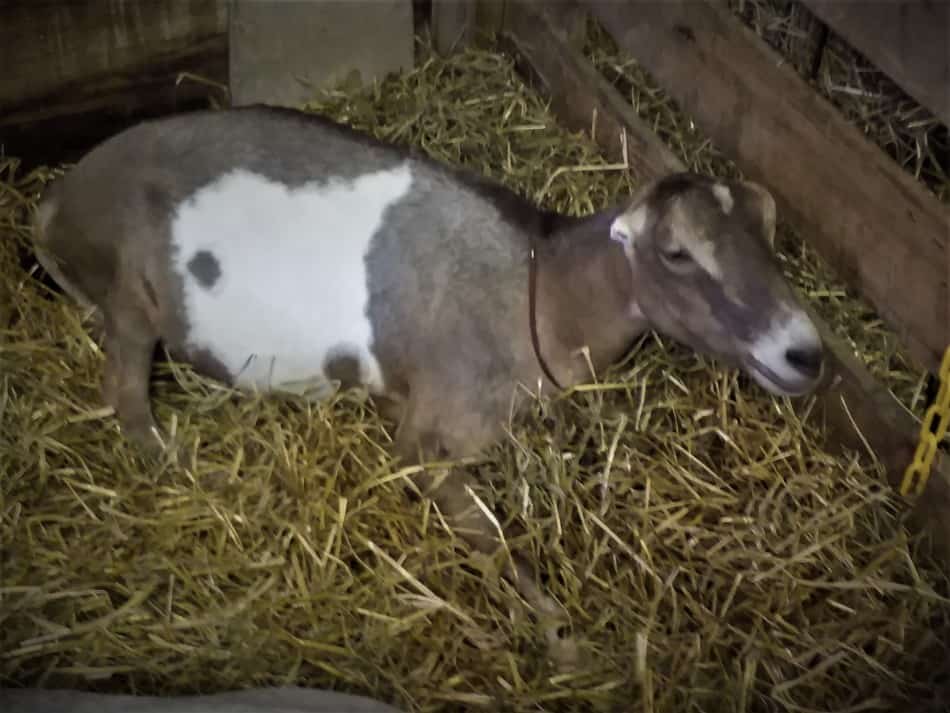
column 453, row 24
column 854, row 411
column 876, row 225
column 80, row 58
column 908, row 40
column 581, row 97
column 284, row 53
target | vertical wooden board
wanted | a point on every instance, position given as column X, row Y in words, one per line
column 284, row 52
column 908, row 40
column 453, row 24
column 876, row 225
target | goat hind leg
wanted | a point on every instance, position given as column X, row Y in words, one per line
column 130, row 341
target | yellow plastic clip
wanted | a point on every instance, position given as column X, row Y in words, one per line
column 932, row 431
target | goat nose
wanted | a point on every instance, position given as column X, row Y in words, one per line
column 807, row 360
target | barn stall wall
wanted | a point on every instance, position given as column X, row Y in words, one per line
column 76, row 72
column 229, row 591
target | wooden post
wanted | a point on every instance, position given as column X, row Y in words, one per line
column 874, row 224
column 908, row 40
column 453, row 24
column 852, row 407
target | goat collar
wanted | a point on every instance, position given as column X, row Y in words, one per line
column 532, row 319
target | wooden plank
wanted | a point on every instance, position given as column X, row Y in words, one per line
column 581, row 96
column 876, row 225
column 851, row 407
column 120, row 57
column 908, row 40
column 283, row 53
column 453, row 24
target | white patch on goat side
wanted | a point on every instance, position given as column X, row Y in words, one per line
column 724, row 196
column 292, row 282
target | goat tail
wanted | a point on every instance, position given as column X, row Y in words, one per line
column 47, row 209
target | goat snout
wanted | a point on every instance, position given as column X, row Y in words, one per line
column 808, row 359
column 788, row 359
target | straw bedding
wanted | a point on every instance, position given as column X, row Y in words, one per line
column 711, row 555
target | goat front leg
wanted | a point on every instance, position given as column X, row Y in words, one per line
column 452, row 493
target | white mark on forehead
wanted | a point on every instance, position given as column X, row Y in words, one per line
column 724, row 196
column 293, row 282
column 692, row 237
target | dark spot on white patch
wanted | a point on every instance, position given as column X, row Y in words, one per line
column 343, row 366
column 204, row 266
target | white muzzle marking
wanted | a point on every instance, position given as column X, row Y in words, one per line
column 772, row 361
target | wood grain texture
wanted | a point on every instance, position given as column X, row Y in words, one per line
column 852, row 408
column 124, row 56
column 881, row 231
column 908, row 40
column 580, row 95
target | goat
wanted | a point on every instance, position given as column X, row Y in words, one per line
column 277, row 250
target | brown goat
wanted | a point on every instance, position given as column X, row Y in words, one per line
column 276, row 250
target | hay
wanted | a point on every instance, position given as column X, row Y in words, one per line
column 909, row 134
column 711, row 555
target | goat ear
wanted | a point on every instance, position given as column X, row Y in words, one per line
column 757, row 208
column 631, row 224
column 627, row 227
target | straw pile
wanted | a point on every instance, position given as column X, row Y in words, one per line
column 711, row 555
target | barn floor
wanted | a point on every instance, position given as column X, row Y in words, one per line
column 728, row 565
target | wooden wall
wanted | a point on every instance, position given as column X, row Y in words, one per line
column 76, row 70
column 908, row 40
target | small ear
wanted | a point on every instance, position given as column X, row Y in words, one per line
column 627, row 227
column 758, row 207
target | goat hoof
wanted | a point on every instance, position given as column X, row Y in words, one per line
column 146, row 437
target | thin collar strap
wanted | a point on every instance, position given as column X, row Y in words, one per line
column 532, row 319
